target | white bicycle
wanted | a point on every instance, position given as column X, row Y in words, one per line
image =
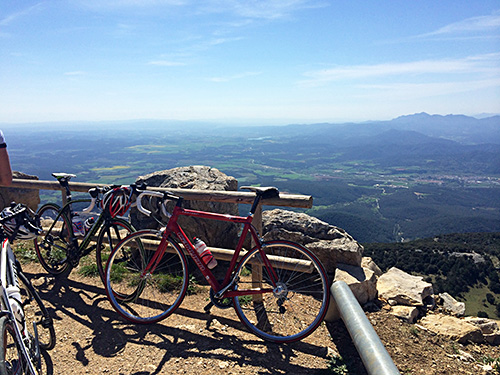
column 25, row 324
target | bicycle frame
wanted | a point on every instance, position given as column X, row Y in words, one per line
column 220, row 289
column 67, row 210
column 8, row 279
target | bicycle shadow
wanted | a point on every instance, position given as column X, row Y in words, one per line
column 111, row 334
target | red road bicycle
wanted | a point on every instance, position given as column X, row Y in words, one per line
column 279, row 289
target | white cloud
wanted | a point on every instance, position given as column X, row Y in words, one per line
column 488, row 63
column 469, row 25
column 233, row 77
column 166, row 63
column 260, row 9
column 413, row 91
column 99, row 5
column 14, row 16
column 75, row 73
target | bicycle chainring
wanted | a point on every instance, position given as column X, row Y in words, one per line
column 221, row 303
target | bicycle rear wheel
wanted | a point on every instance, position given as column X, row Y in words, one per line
column 297, row 295
column 36, row 314
column 111, row 233
column 11, row 358
column 53, row 243
column 141, row 293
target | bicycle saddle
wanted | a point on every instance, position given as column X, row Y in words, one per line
column 63, row 176
column 264, row 191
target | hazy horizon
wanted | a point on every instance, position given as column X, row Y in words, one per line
column 216, row 123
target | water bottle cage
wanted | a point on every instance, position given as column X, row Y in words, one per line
column 206, row 256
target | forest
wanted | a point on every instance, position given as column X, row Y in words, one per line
column 453, row 263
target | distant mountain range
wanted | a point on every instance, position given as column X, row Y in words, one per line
column 458, row 128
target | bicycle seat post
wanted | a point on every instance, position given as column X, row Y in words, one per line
column 261, row 193
column 63, row 179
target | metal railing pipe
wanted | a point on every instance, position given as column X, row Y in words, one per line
column 371, row 350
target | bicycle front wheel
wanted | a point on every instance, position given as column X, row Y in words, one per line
column 36, row 314
column 146, row 280
column 11, row 358
column 295, row 292
column 53, row 243
column 111, row 233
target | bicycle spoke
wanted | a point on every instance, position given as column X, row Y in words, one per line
column 53, row 244
column 141, row 294
column 300, row 294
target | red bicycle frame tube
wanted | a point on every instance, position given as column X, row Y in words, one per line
column 173, row 227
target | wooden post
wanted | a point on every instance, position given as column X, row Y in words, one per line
column 257, row 269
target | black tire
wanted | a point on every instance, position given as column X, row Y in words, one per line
column 53, row 244
column 111, row 233
column 150, row 296
column 11, row 361
column 296, row 294
column 36, row 313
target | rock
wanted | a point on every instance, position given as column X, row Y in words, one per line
column 453, row 328
column 403, row 288
column 489, row 327
column 486, row 325
column 367, row 262
column 332, row 245
column 407, row 313
column 451, row 305
column 29, row 197
column 492, row 338
column 214, row 233
column 361, row 281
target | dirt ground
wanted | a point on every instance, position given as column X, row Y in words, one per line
column 93, row 339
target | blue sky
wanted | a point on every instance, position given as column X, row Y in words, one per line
column 254, row 62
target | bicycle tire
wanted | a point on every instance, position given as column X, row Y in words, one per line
column 53, row 244
column 298, row 303
column 11, row 358
column 111, row 233
column 36, row 313
column 149, row 296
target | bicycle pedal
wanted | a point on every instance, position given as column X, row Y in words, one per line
column 208, row 307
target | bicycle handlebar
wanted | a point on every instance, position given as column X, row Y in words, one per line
column 166, row 196
column 139, row 200
column 95, row 191
column 16, row 210
column 20, row 213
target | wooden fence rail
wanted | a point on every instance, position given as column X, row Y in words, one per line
column 285, row 199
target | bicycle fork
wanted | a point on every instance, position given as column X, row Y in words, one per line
column 23, row 338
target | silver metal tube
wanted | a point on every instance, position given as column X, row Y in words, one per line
column 371, row 350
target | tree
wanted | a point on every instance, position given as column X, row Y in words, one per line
column 482, row 314
column 490, row 298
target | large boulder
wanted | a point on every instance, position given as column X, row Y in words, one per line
column 214, row 233
column 332, row 245
column 361, row 281
column 402, row 288
column 451, row 305
column 29, row 197
column 453, row 328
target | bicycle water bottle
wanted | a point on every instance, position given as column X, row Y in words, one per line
column 78, row 228
column 204, row 253
column 13, row 292
column 87, row 224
